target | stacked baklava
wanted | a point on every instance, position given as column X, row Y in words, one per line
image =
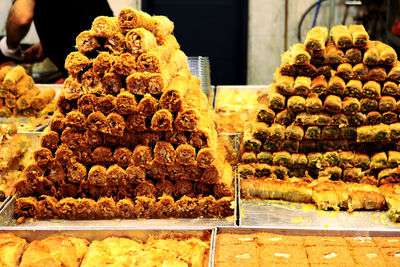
column 133, row 135
column 331, row 114
column 20, row 97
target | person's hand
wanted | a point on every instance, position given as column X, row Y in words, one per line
column 33, row 54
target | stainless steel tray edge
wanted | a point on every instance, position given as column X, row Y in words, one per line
column 212, row 247
column 2, row 205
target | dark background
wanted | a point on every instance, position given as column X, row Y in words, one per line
column 212, row 28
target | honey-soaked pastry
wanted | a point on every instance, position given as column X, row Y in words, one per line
column 325, row 70
column 164, row 153
column 394, row 72
column 136, row 122
column 91, row 82
column 142, row 156
column 390, row 88
column 187, row 119
column 387, row 55
column 333, row 104
column 87, row 104
column 40, row 101
column 319, row 85
column 43, row 156
column 151, row 62
column 345, row 71
column 65, row 105
column 312, row 132
column 359, row 35
column 333, row 54
column 336, row 85
column 372, row 89
column 353, row 55
column 249, row 157
column 126, row 208
column 360, row 71
column 394, row 130
column 377, row 74
column 341, row 36
column 296, row 103
column 67, row 208
column 115, row 124
column 97, row 122
column 368, row 105
column 330, row 195
column 300, row 56
column 265, row 114
column 86, row 42
column 281, row 158
column 104, row 26
column 373, row 117
column 148, row 105
column 125, row 103
column 371, row 54
column 76, row 172
column 49, row 139
column 291, row 145
column 115, row 43
column 316, row 38
column 122, row 157
column 350, row 105
column 262, row 170
column 366, row 200
column 387, row 103
column 284, row 117
column 378, row 161
column 25, row 84
column 115, row 175
column 112, row 83
column 145, row 207
column 75, row 120
column 72, row 89
column 26, row 207
column 307, row 70
column 393, row 159
column 284, row 85
column 276, row 101
column 389, row 117
column 103, row 63
column 102, row 155
column 318, row 57
column 12, row 248
column 13, row 76
column 294, row 132
column 125, row 64
column 287, row 68
column 276, row 131
column 106, row 208
column 173, row 97
column 97, row 175
column 140, row 41
column 353, row 88
column 186, row 154
column 76, row 62
column 3, row 72
column 162, row 121
column 330, row 132
column 47, row 207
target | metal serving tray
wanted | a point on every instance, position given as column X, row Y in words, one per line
column 7, row 219
column 273, row 213
column 101, row 233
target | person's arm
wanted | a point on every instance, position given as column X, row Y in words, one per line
column 19, row 21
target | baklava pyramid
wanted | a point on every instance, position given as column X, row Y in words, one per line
column 328, row 132
column 134, row 137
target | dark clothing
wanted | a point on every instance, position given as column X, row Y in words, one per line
column 58, row 23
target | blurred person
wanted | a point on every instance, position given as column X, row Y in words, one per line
column 57, row 22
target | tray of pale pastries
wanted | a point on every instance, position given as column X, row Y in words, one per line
column 277, row 246
column 129, row 247
column 327, row 132
column 23, row 102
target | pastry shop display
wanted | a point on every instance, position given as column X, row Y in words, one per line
column 60, row 250
column 272, row 249
column 326, row 138
column 133, row 134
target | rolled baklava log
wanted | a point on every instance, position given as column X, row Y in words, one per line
column 130, row 18
column 390, row 88
column 248, row 157
column 86, row 209
column 104, row 26
column 205, row 157
column 330, row 132
column 167, row 44
column 97, row 176
column 389, row 117
column 75, row 120
column 148, row 105
column 373, row 118
column 387, row 55
column 116, row 124
column 393, row 159
column 145, row 207
column 136, row 122
column 71, row 138
column 67, row 208
column 372, row 89
column 287, row 68
column 394, row 131
column 276, row 101
column 76, row 62
column 294, row 132
column 97, row 122
column 26, row 207
column 140, row 41
column 316, row 38
column 366, row 200
column 87, row 104
column 333, row 104
column 368, row 105
column 76, row 172
column 126, row 208
column 333, row 54
column 296, row 103
column 125, row 64
column 336, row 85
column 122, row 157
column 93, row 139
column 161, row 26
column 3, row 72
column 125, row 103
column 359, row 35
column 86, row 42
column 162, row 121
column 115, row 175
column 142, row 156
column 302, row 85
column 13, row 76
column 350, row 105
column 23, row 86
column 64, row 105
column 24, row 101
column 394, row 73
column 284, row 117
column 276, row 131
column 353, row 55
column 340, row 120
column 49, row 139
column 387, row 103
column 106, row 208
column 151, row 61
column 377, row 74
column 371, row 55
column 47, row 207
column 177, row 171
column 43, row 157
column 102, row 155
column 319, row 85
column 111, row 83
column 137, row 83
column 165, row 207
column 341, row 36
column 260, row 130
column 40, row 101
column 187, row 207
column 186, row 154
column 91, row 82
column 187, row 119
column 345, row 71
column 284, row 84
column 115, row 43
column 300, row 56
column 173, row 97
column 265, row 114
